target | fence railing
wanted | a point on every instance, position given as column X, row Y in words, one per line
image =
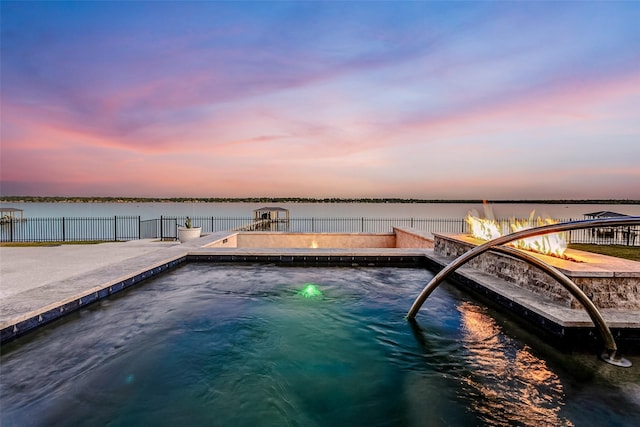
column 166, row 228
column 70, row 229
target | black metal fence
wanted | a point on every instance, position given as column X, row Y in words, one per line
column 166, row 228
column 70, row 229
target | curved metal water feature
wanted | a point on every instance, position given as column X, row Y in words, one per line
column 610, row 355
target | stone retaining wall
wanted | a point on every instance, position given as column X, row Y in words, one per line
column 607, row 289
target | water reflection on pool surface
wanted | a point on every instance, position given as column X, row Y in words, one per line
column 253, row 345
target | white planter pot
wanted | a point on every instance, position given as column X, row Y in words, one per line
column 185, row 234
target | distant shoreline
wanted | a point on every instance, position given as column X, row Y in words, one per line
column 54, row 199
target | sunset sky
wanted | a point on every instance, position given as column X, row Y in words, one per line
column 432, row 100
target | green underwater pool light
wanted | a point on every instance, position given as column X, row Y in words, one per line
column 310, row 291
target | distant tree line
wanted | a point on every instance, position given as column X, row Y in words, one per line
column 64, row 199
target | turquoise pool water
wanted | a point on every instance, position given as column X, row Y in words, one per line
column 246, row 345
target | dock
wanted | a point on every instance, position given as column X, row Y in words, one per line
column 266, row 219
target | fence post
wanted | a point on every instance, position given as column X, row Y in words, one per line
column 63, row 230
column 161, row 229
column 139, row 227
column 11, row 229
column 569, row 234
column 115, row 228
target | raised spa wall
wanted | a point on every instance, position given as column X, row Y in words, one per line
column 400, row 238
column 609, row 282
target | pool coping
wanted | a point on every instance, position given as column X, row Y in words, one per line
column 26, row 311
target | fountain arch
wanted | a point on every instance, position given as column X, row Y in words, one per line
column 610, row 355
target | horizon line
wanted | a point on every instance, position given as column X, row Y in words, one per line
column 297, row 199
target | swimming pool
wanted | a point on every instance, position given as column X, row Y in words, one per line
column 242, row 345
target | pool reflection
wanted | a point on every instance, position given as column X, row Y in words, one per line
column 509, row 384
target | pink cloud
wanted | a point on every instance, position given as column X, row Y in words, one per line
column 573, row 103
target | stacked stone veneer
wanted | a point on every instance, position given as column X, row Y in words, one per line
column 607, row 289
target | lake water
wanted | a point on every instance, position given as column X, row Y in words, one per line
column 318, row 210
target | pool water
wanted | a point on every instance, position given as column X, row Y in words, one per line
column 246, row 345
